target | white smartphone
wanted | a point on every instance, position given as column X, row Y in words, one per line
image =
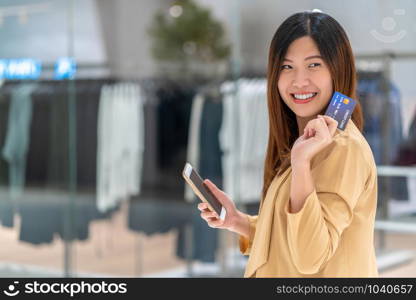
column 196, row 183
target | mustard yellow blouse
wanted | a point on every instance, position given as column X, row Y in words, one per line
column 333, row 234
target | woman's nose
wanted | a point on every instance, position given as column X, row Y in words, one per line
column 300, row 80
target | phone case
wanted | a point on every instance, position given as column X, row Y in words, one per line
column 195, row 181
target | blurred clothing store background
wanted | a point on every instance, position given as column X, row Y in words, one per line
column 103, row 101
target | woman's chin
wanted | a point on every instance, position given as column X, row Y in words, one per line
column 303, row 114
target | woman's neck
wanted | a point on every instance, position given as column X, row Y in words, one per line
column 302, row 121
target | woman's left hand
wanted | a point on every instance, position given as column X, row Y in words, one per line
column 318, row 134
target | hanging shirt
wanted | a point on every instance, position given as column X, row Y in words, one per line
column 18, row 136
column 243, row 138
column 120, row 144
column 192, row 153
column 333, row 234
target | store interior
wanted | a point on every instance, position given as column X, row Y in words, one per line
column 102, row 102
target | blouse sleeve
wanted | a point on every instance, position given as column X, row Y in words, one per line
column 246, row 243
column 314, row 232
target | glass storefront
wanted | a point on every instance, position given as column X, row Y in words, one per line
column 102, row 103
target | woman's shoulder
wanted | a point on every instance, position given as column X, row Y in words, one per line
column 347, row 143
column 352, row 138
column 351, row 131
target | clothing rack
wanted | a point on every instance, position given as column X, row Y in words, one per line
column 382, row 62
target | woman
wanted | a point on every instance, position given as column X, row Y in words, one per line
column 316, row 217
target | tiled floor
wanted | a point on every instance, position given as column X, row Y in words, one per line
column 399, row 242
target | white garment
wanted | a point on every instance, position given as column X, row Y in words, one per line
column 243, row 138
column 411, row 187
column 192, row 155
column 120, row 144
column 228, row 140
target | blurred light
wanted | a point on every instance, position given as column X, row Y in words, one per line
column 24, row 68
column 175, row 11
column 65, row 67
column 316, row 10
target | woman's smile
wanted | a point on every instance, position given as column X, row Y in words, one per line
column 304, row 97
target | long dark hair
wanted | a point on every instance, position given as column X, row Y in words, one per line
column 335, row 49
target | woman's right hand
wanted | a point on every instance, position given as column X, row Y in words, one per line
column 212, row 217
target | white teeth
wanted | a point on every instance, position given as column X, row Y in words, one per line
column 304, row 96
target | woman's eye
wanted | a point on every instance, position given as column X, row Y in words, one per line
column 285, row 67
column 314, row 64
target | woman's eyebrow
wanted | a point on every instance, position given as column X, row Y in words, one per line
column 313, row 56
column 306, row 58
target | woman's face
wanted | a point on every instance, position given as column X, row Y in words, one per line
column 305, row 83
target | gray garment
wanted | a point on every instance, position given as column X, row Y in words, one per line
column 243, row 138
column 192, row 154
column 205, row 239
column 18, row 136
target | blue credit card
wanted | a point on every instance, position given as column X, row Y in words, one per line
column 340, row 108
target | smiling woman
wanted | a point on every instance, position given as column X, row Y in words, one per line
column 317, row 213
column 305, row 77
column 309, row 54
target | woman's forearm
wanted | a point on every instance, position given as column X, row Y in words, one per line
column 301, row 185
column 241, row 224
